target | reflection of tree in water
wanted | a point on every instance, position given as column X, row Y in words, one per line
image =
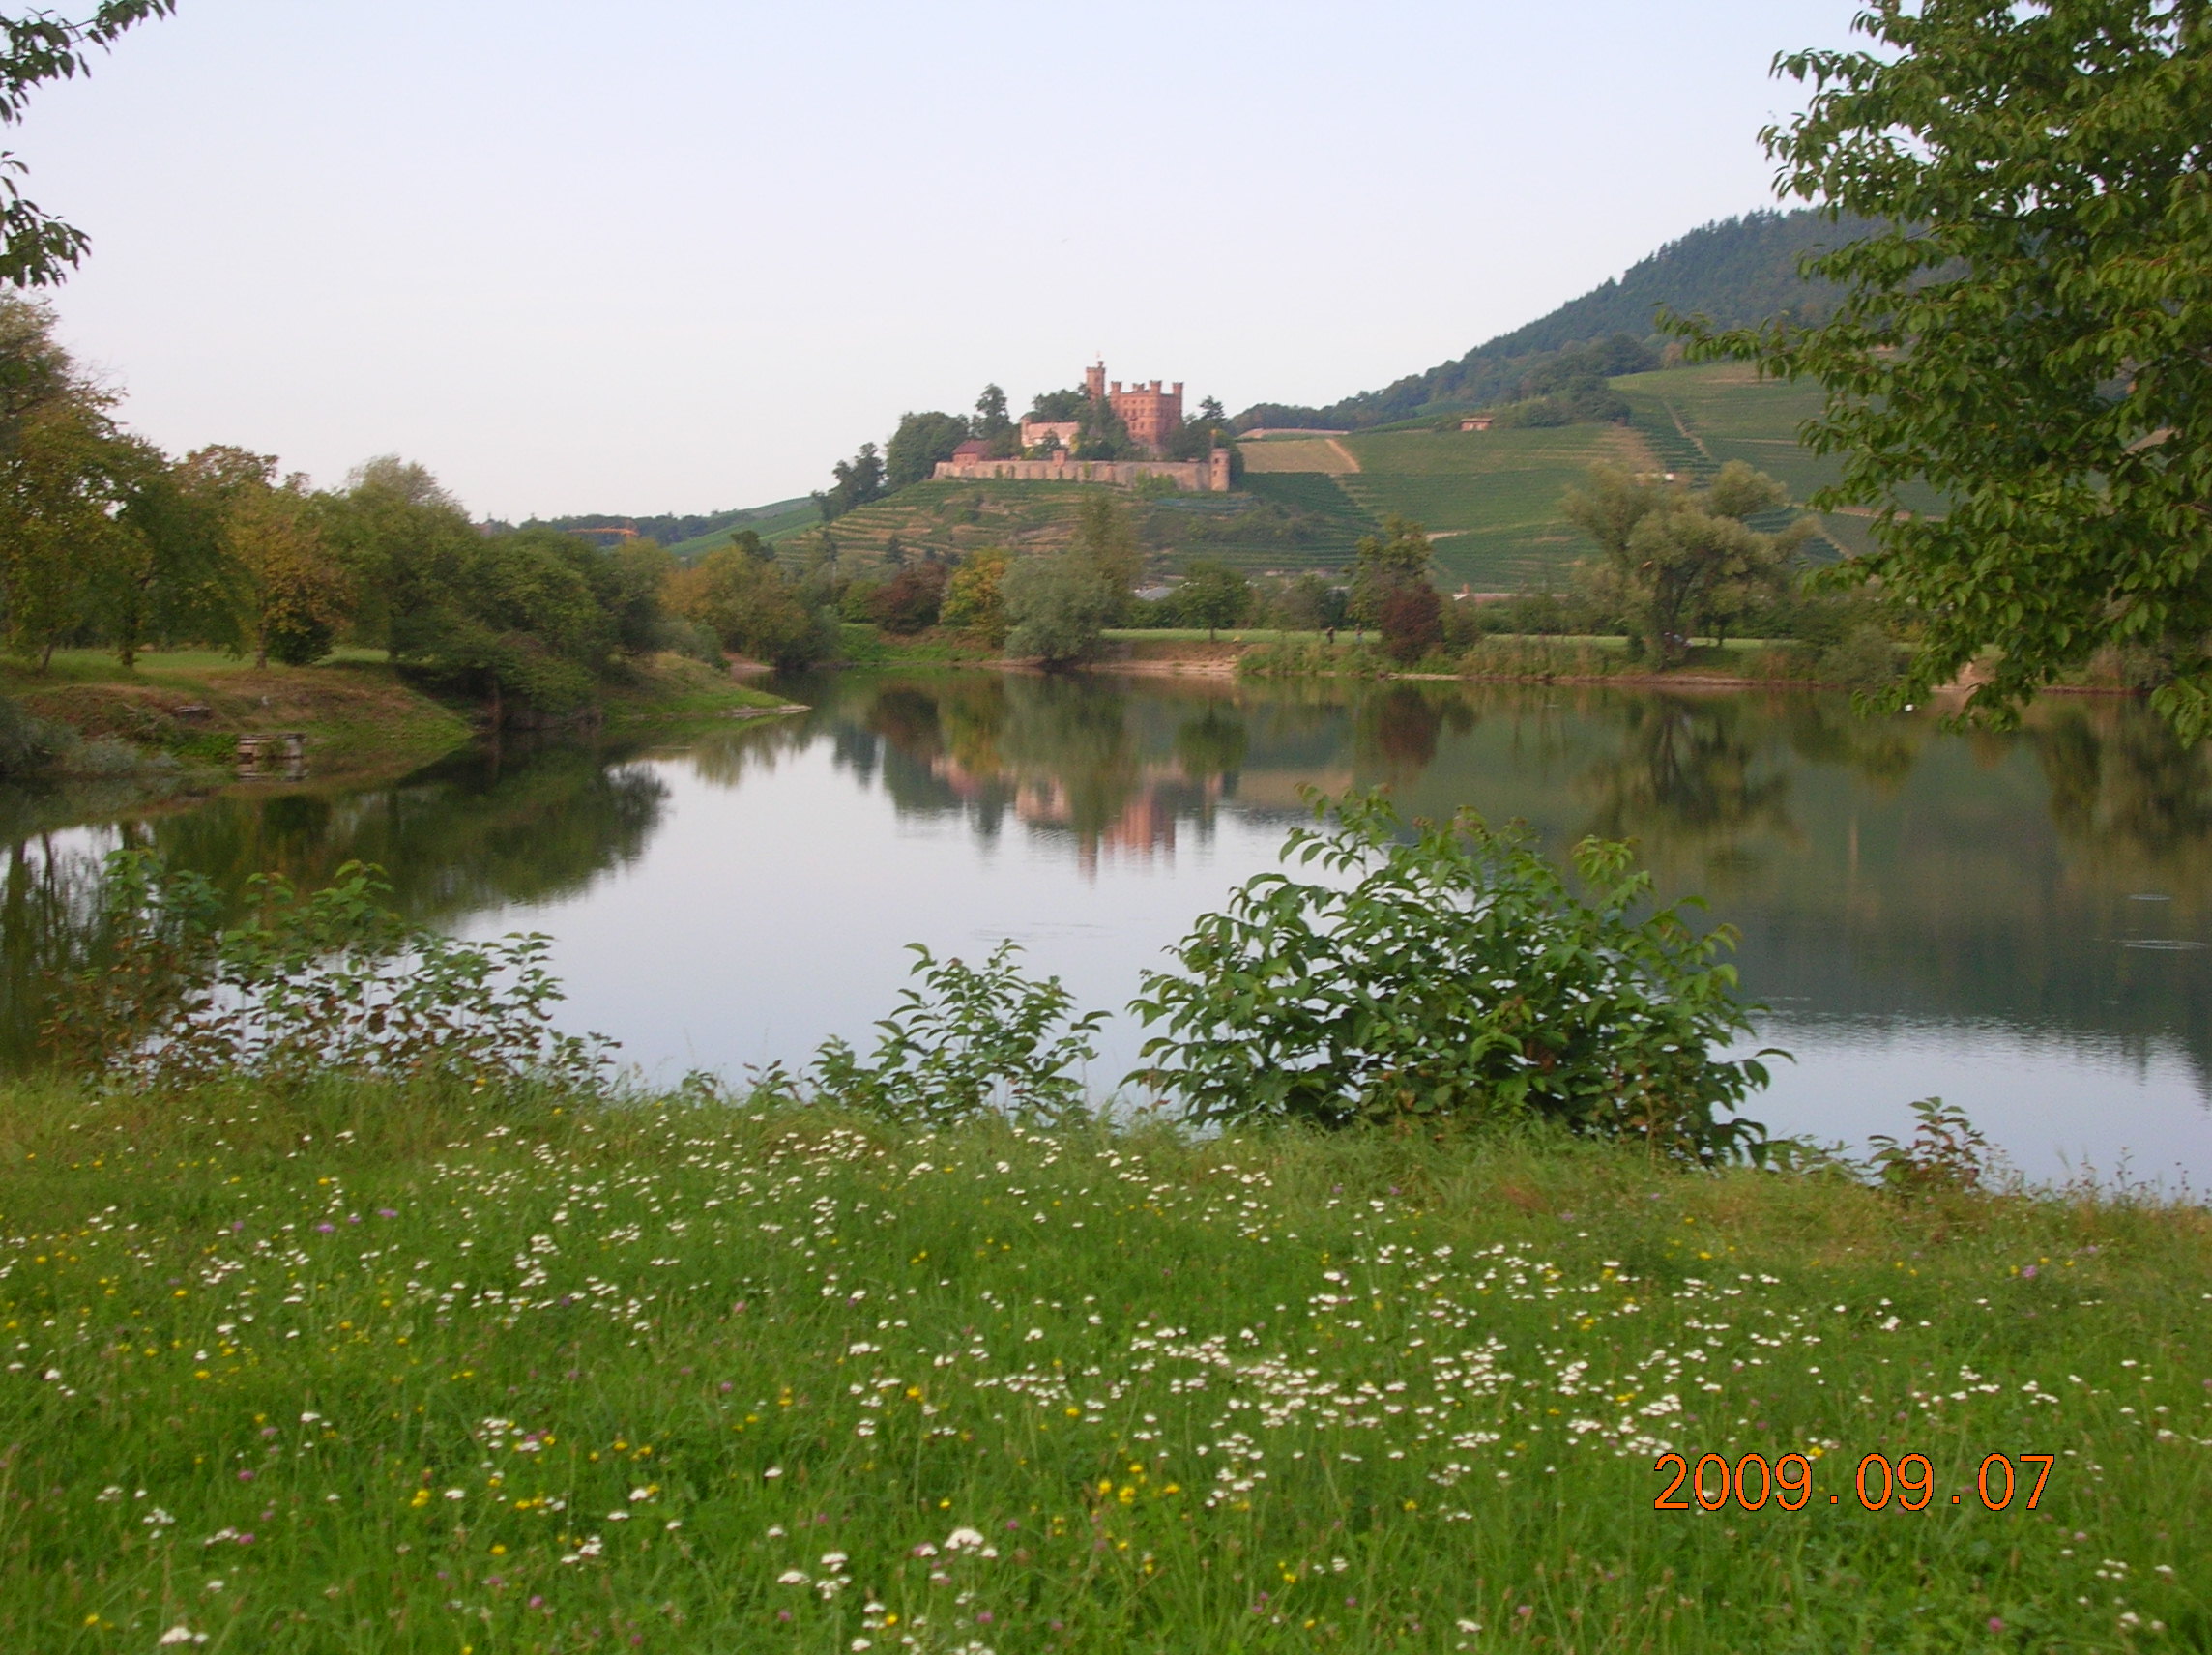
column 465, row 835
column 1213, row 746
column 2122, row 783
column 1824, row 730
column 1398, row 728
column 1687, row 777
column 725, row 756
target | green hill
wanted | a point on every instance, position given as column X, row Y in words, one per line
column 783, row 517
column 1736, row 271
column 1490, row 499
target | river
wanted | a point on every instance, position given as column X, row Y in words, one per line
column 2017, row 923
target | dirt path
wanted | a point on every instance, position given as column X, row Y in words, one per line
column 1350, row 460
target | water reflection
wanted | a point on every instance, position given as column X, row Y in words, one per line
column 2051, row 886
column 491, row 826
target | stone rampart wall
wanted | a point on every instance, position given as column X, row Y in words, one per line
column 1195, row 476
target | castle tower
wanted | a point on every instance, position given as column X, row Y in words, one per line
column 1094, row 380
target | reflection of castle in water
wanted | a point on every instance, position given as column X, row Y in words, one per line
column 1159, row 797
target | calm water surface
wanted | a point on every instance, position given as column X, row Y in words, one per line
column 2018, row 924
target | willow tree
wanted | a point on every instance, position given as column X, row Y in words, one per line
column 2031, row 336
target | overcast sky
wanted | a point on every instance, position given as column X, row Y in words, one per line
column 674, row 255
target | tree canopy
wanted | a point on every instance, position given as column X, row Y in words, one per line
column 2027, row 330
column 1676, row 561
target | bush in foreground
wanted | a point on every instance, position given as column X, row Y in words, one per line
column 1448, row 971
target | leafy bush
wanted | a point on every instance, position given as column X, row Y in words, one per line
column 1411, row 618
column 970, row 1041
column 1865, row 658
column 911, row 601
column 29, row 745
column 1453, row 976
column 330, row 982
column 1948, row 1154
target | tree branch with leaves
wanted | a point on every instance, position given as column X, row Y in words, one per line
column 2030, row 337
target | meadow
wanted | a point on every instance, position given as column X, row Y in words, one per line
column 364, row 1369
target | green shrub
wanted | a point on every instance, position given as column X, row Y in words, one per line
column 331, row 982
column 1865, row 658
column 1453, row 976
column 972, row 1041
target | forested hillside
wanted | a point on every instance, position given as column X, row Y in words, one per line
column 1737, row 271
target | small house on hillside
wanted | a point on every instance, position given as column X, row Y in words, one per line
column 1477, row 421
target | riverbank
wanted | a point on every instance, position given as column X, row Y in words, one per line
column 534, row 1375
column 180, row 716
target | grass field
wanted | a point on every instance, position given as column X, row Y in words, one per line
column 1491, row 498
column 365, row 1371
column 356, row 712
column 1321, row 454
column 957, row 516
column 353, row 708
column 783, row 517
column 1727, row 413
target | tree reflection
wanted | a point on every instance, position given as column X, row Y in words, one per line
column 475, row 831
column 1691, row 777
column 1213, row 746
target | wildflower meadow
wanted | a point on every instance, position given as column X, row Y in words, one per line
column 362, row 1367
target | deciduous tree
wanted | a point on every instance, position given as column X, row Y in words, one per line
column 2031, row 333
column 1676, row 560
column 920, row 441
column 288, row 592
column 1212, row 596
column 751, row 607
column 974, row 602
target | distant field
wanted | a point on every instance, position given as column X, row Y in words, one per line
column 766, row 521
column 1491, row 497
column 1295, row 453
column 1729, row 413
column 957, row 516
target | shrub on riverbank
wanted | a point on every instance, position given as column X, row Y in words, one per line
column 431, row 1369
column 1535, row 659
column 1448, row 971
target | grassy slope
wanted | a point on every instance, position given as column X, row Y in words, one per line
column 957, row 516
column 766, row 521
column 357, row 712
column 1296, row 455
column 1494, row 496
column 676, row 687
column 362, row 1374
column 354, row 708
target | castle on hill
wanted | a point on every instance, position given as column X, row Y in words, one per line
column 1149, row 415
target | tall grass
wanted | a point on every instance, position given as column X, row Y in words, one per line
column 368, row 1369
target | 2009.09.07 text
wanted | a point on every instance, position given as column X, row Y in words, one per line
column 1788, row 1482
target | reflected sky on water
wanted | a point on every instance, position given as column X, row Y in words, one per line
column 2015, row 923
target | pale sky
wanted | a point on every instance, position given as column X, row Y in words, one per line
column 676, row 255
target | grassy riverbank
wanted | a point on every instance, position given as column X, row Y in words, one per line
column 377, row 1371
column 182, row 712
